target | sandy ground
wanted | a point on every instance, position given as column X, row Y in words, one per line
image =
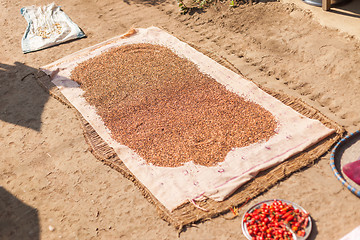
column 54, row 188
column 343, row 16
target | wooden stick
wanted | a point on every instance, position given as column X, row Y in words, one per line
column 326, row 5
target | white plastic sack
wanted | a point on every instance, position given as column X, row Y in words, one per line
column 47, row 26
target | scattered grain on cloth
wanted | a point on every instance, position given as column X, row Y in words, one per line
column 166, row 110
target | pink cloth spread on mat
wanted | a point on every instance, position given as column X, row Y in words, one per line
column 174, row 186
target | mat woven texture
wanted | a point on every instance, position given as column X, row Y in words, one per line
column 188, row 213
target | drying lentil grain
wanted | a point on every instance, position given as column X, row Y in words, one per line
column 161, row 106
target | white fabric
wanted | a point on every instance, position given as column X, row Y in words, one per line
column 47, row 26
column 353, row 235
column 174, row 186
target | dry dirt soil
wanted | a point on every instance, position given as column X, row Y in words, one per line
column 54, row 188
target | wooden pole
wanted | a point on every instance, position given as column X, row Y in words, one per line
column 326, row 5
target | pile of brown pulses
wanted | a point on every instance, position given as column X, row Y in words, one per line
column 166, row 110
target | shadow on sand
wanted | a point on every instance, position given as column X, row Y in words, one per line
column 22, row 99
column 18, row 221
column 350, row 8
